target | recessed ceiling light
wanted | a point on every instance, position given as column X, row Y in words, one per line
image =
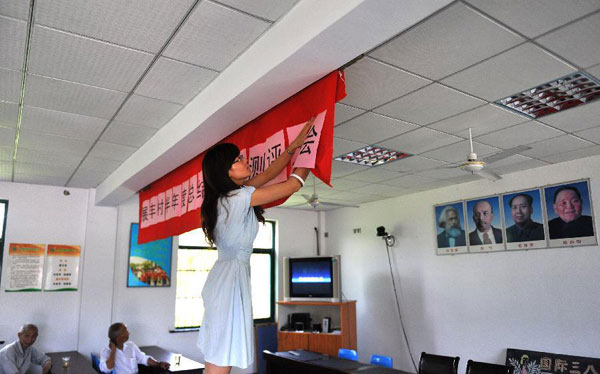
column 558, row 95
column 372, row 156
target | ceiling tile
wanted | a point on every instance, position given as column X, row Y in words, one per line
column 525, row 133
column 146, row 111
column 574, row 119
column 6, row 171
column 61, row 123
column 419, row 141
column 341, row 168
column 437, row 184
column 443, row 173
column 345, row 112
column 458, row 36
column 110, row 151
column 10, row 89
column 533, row 18
column 592, row 134
column 8, row 114
column 174, row 81
column 41, row 179
column 594, row 71
column 49, row 157
column 214, row 35
column 127, row 134
column 526, row 165
column 15, row 9
column 84, row 178
column 43, row 169
column 267, row 9
column 72, row 97
column 7, row 137
column 459, row 152
column 6, row 153
column 516, row 70
column 409, row 181
column 370, row 83
column 374, row 175
column 560, row 144
column 514, row 159
column 58, row 54
column 53, row 143
column 429, row 104
column 413, row 164
column 573, row 155
column 482, row 120
column 465, row 178
column 12, row 43
column 577, row 42
column 102, row 165
column 140, row 24
column 372, row 128
column 382, row 189
column 345, row 184
column 342, row 146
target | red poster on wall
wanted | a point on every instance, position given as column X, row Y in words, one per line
column 171, row 205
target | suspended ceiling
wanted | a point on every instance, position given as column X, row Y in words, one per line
column 118, row 93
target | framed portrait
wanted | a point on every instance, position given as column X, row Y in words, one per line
column 450, row 231
column 149, row 263
column 485, row 224
column 524, row 219
column 569, row 214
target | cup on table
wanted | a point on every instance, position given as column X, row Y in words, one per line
column 177, row 358
column 65, row 361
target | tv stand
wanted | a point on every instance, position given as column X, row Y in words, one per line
column 343, row 322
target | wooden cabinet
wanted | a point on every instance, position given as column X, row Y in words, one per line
column 343, row 321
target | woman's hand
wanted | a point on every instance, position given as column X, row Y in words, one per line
column 301, row 137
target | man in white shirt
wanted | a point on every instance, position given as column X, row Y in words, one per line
column 122, row 355
column 17, row 357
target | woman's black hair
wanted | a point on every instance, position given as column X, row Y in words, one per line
column 217, row 184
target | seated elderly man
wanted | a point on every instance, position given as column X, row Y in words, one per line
column 17, row 357
column 122, row 355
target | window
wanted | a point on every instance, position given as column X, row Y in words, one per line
column 195, row 258
column 3, row 213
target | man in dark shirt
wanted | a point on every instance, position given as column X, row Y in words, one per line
column 524, row 229
column 569, row 223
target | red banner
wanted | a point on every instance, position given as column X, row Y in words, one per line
column 171, row 205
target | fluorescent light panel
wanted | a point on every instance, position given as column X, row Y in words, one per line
column 372, row 156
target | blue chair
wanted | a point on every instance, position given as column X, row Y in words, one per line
column 382, row 361
column 348, row 354
column 96, row 363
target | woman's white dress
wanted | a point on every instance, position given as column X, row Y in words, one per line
column 226, row 335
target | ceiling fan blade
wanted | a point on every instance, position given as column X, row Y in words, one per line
column 489, row 174
column 293, row 206
column 505, row 154
column 337, row 204
column 306, row 197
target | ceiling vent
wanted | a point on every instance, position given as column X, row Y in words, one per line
column 552, row 97
column 372, row 156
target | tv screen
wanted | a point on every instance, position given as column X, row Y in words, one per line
column 311, row 277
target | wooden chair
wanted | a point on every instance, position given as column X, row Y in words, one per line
column 434, row 364
column 475, row 367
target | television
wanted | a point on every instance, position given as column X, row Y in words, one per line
column 312, row 279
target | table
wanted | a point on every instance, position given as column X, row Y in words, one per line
column 300, row 362
column 78, row 364
column 186, row 365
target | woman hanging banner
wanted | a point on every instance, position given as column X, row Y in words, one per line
column 171, row 205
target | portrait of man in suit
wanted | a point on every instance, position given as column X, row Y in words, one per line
column 484, row 233
column 569, row 211
column 452, row 234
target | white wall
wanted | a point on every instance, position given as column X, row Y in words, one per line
column 44, row 215
column 149, row 312
column 471, row 305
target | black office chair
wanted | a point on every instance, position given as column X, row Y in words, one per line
column 475, row 367
column 434, row 364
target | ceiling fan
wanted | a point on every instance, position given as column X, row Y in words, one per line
column 314, row 201
column 476, row 166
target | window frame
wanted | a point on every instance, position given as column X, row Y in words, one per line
column 3, row 236
column 272, row 252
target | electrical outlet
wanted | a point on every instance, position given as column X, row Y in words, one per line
column 356, row 231
column 326, row 234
